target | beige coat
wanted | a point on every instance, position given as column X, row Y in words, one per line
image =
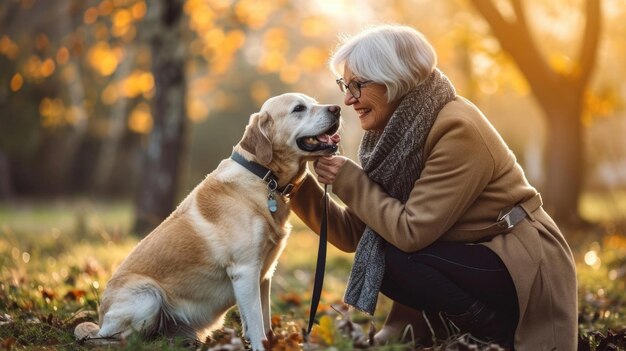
column 470, row 175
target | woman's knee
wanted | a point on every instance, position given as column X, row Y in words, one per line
column 406, row 272
column 395, row 259
column 410, row 282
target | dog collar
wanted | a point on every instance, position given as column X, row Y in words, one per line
column 265, row 174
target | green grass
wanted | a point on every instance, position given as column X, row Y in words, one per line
column 56, row 256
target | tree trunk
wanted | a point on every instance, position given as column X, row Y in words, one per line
column 559, row 94
column 564, row 155
column 161, row 158
column 6, row 189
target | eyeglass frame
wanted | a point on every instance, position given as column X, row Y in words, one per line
column 355, row 84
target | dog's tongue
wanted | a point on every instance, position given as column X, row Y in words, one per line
column 328, row 139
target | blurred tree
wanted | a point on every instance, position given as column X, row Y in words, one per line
column 161, row 158
column 560, row 93
column 56, row 121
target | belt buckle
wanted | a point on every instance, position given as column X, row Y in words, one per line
column 504, row 221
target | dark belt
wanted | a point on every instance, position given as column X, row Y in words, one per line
column 507, row 219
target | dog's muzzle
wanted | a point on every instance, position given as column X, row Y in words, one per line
column 328, row 140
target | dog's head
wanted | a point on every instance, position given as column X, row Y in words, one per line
column 292, row 128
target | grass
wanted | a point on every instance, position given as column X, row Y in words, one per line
column 56, row 256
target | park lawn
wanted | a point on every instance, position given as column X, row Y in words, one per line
column 56, row 256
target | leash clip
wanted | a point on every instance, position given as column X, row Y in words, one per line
column 287, row 190
column 272, row 185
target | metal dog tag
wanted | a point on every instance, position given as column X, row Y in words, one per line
column 271, row 203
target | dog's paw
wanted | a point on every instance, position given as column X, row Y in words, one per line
column 86, row 331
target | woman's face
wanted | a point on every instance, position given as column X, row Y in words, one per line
column 371, row 107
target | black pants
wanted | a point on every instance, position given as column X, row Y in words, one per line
column 450, row 277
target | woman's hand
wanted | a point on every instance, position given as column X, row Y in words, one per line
column 327, row 168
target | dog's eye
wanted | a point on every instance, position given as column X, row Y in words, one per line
column 299, row 108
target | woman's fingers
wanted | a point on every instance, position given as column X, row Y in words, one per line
column 327, row 168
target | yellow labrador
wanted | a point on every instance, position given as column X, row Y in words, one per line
column 221, row 245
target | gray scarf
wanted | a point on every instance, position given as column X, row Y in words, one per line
column 394, row 159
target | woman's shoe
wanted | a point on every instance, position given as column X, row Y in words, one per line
column 483, row 323
column 404, row 324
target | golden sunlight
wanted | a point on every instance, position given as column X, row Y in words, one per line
column 16, row 82
column 9, row 48
column 253, row 13
column 312, row 58
column 290, row 74
column 63, row 55
column 109, row 95
column 197, row 109
column 272, row 61
column 74, row 115
column 334, row 7
column 591, row 258
column 139, row 82
column 260, row 91
column 138, row 10
column 47, row 68
column 315, row 26
column 90, row 16
column 122, row 18
column 140, row 119
column 52, row 112
column 103, row 58
column 105, row 8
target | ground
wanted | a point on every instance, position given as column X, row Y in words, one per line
column 56, row 256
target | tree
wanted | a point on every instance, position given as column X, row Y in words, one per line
column 162, row 156
column 560, row 94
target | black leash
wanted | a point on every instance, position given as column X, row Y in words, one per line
column 321, row 262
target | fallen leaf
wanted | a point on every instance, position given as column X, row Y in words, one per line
column 75, row 294
column 48, row 294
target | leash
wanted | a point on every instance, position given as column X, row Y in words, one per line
column 321, row 262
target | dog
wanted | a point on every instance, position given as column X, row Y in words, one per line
column 221, row 244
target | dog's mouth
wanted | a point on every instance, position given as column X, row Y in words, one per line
column 326, row 141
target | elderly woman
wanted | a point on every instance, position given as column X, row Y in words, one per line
column 439, row 213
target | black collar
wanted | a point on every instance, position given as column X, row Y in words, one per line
column 263, row 173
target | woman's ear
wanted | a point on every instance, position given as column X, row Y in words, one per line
column 257, row 137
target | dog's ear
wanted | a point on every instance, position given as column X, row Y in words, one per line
column 257, row 137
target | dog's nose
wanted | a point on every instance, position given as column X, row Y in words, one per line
column 335, row 110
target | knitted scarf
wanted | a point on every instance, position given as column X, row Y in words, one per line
column 394, row 159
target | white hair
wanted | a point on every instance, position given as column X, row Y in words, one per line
column 397, row 56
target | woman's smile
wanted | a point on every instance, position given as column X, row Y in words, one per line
column 362, row 112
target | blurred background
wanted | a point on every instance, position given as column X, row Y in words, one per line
column 112, row 111
column 136, row 101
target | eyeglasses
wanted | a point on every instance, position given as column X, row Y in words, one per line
column 354, row 87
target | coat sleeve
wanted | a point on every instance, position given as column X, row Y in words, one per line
column 457, row 168
column 344, row 228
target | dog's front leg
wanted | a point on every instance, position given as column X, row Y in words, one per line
column 266, row 285
column 245, row 280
